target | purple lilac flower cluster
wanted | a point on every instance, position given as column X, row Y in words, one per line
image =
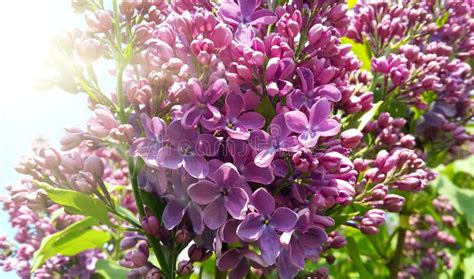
column 427, row 67
column 35, row 217
column 32, row 226
column 424, row 255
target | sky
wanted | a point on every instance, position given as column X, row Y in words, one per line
column 26, row 28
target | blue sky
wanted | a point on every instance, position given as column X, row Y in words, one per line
column 26, row 30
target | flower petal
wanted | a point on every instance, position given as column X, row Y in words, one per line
column 215, row 214
column 236, row 202
column 284, row 219
column 263, row 16
column 234, row 104
column 230, row 259
column 259, row 140
column 173, row 213
column 195, row 215
column 196, row 166
column 265, row 157
column 263, row 202
column 169, row 158
column 253, row 173
column 269, row 245
column 227, row 176
column 203, row 192
column 191, row 117
column 252, row 120
column 207, row 145
column 251, row 228
column 296, row 121
column 319, row 112
column 329, row 128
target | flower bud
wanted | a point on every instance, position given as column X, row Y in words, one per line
column 151, row 225
column 99, row 21
column 331, row 161
column 221, row 36
column 94, row 165
column 379, row 192
column 72, row 163
column 103, row 122
column 351, row 138
column 393, row 203
column 89, row 49
column 48, row 158
column 198, row 254
column 84, row 182
column 185, row 268
column 182, row 236
column 136, row 258
column 36, row 200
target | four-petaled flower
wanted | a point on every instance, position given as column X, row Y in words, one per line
column 263, row 224
column 187, row 148
column 236, row 123
column 201, row 108
column 317, row 125
column 221, row 194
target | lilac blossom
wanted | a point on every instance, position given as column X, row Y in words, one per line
column 307, row 95
column 317, row 125
column 237, row 123
column 201, row 109
column 245, row 15
column 187, row 148
column 221, row 194
column 263, row 224
column 268, row 145
column 179, row 203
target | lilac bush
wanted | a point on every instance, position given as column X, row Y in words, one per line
column 282, row 139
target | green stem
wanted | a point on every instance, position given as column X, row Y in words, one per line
column 394, row 263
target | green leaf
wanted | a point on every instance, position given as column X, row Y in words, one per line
column 362, row 51
column 266, row 109
column 355, row 257
column 442, row 20
column 360, row 120
column 465, row 165
column 110, row 270
column 461, row 199
column 70, row 241
column 77, row 202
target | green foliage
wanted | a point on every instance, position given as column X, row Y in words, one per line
column 265, row 108
column 351, row 3
column 74, row 239
column 77, row 203
column 362, row 51
column 110, row 270
column 353, row 252
column 360, row 120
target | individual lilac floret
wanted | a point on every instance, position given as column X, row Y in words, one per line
column 244, row 15
column 179, row 203
column 268, row 145
column 221, row 195
column 244, row 161
column 263, row 224
column 277, row 71
column 187, row 148
column 307, row 95
column 318, row 124
column 201, row 109
column 236, row 123
column 155, row 134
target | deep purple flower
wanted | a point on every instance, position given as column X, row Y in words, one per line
column 236, row 123
column 268, row 145
column 187, row 148
column 201, row 109
column 307, row 95
column 179, row 203
column 263, row 224
column 305, row 241
column 221, row 195
column 244, row 15
column 318, row 124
